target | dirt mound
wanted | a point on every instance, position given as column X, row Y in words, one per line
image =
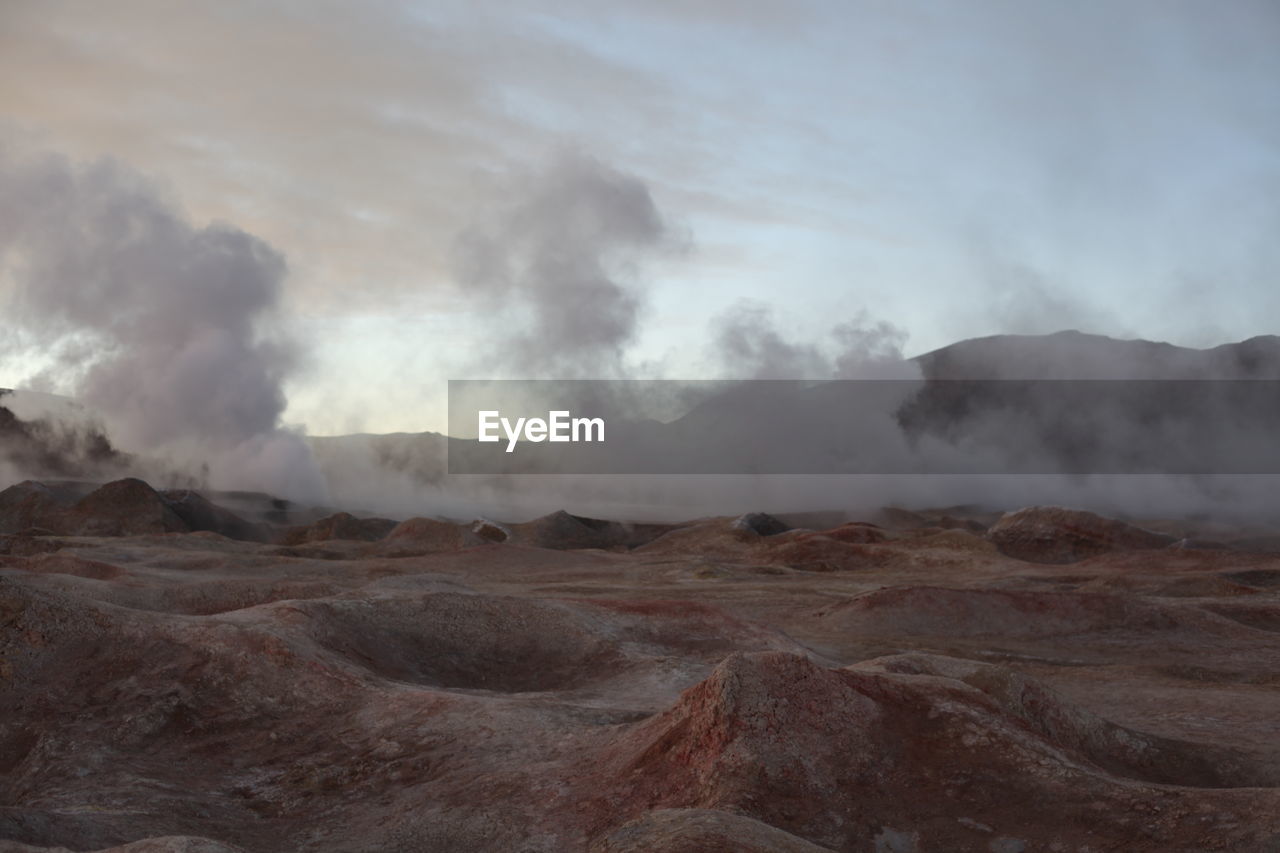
column 942, row 612
column 199, row 513
column 564, row 532
column 759, row 523
column 817, row 552
column 715, row 538
column 417, row 536
column 482, row 642
column 67, row 564
column 456, row 640
column 29, row 505
column 1119, row 750
column 1048, row 534
column 856, row 532
column 126, row 507
column 699, row 831
column 1185, row 586
column 341, row 525
column 857, row 759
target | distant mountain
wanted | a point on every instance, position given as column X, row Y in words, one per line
column 1066, row 403
column 1076, row 355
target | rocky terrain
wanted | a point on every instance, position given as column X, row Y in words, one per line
column 178, row 676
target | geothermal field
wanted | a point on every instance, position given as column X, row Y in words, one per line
column 179, row 676
column 639, row 426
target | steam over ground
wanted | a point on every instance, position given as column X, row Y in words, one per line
column 167, row 329
column 172, row 333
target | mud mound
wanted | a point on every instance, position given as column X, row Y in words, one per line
column 1186, row 586
column 817, row 552
column 28, row 505
column 562, row 531
column 417, row 536
column 490, row 531
column 67, row 564
column 973, row 519
column 199, row 513
column 852, row 760
column 715, row 538
column 759, row 523
column 663, row 628
column 126, row 507
column 700, row 831
column 458, row 640
column 1119, row 750
column 1048, row 534
column 856, row 532
column 941, row 612
column 341, row 525
column 455, row 640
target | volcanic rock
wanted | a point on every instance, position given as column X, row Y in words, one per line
column 199, row 513
column 28, row 505
column 342, row 525
column 417, row 536
column 563, row 531
column 490, row 531
column 759, row 523
column 1048, row 534
column 927, row 759
column 127, row 507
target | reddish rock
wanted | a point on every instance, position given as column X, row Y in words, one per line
column 341, row 525
column 856, row 758
column 856, row 532
column 416, row 536
column 199, row 513
column 28, row 505
column 127, row 507
column 1048, row 534
column 760, row 524
column 490, row 531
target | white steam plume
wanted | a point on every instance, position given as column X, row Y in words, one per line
column 168, row 329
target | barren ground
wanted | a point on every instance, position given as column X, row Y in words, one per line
column 906, row 686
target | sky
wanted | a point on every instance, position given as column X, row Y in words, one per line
column 465, row 190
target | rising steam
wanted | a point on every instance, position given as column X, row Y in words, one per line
column 168, row 329
column 558, row 263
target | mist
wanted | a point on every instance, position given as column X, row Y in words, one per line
column 557, row 266
column 171, row 331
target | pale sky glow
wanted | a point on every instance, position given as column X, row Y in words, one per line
column 956, row 169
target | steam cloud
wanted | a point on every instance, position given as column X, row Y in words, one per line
column 748, row 345
column 166, row 328
column 559, row 263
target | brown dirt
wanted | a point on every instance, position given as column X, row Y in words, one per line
column 596, row 686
